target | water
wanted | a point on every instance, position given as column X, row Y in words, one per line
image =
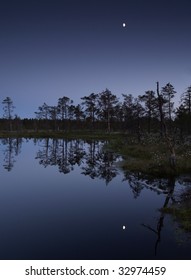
column 70, row 200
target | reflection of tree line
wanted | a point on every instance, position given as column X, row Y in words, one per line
column 96, row 162
column 62, row 153
column 90, row 156
column 93, row 160
column 99, row 163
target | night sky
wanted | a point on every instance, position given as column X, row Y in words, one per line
column 51, row 48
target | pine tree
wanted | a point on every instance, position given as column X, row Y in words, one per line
column 8, row 109
column 168, row 94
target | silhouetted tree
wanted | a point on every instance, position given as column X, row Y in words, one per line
column 90, row 103
column 138, row 113
column 168, row 94
column 170, row 140
column 183, row 120
column 53, row 113
column 8, row 109
column 107, row 102
column 186, row 100
column 127, row 110
column 78, row 113
column 63, row 107
column 161, row 103
column 43, row 112
column 183, row 112
column 46, row 113
column 150, row 105
column 71, row 110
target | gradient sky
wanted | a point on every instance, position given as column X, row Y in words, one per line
column 52, row 48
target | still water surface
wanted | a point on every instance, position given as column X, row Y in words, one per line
column 71, row 200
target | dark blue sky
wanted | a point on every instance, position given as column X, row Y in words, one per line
column 52, row 48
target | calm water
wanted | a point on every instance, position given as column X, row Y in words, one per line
column 70, row 200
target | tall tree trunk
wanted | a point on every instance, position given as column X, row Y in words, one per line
column 164, row 132
column 160, row 111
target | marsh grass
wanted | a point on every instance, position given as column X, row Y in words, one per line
column 151, row 156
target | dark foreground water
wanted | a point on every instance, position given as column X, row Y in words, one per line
column 70, row 200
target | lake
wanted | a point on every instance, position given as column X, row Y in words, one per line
column 62, row 199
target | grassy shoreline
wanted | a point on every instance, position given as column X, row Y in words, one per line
column 152, row 157
column 69, row 134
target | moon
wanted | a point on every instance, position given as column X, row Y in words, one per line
column 124, row 24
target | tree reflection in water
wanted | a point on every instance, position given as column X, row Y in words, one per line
column 138, row 182
column 93, row 160
column 99, row 163
column 62, row 153
column 12, row 149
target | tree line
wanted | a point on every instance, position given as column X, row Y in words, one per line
column 152, row 112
